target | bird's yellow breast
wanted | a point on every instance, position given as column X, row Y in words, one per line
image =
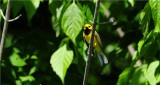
column 88, row 37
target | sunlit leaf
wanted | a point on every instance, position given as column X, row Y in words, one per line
column 56, row 26
column 61, row 60
column 3, row 6
column 157, row 28
column 124, row 77
column 155, row 7
column 27, row 78
column 158, row 78
column 140, row 45
column 131, row 2
column 16, row 50
column 34, row 57
column 135, row 58
column 72, row 21
column 145, row 16
column 5, row 1
column 150, row 73
column 146, row 45
column 16, row 60
column 58, row 12
column 56, row 18
column 18, row 82
column 138, row 77
column 33, row 69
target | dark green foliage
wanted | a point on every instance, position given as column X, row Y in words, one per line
column 45, row 45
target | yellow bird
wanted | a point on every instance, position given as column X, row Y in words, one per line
column 97, row 43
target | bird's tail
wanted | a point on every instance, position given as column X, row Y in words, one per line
column 102, row 58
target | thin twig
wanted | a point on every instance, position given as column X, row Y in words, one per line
column 9, row 20
column 90, row 49
column 5, row 27
column 102, row 22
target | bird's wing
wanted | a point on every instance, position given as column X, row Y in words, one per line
column 83, row 35
column 97, row 37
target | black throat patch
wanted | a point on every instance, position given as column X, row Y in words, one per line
column 87, row 31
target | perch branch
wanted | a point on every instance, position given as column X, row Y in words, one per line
column 90, row 49
column 5, row 26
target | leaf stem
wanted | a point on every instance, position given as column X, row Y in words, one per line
column 90, row 49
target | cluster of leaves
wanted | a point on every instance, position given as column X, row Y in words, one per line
column 148, row 49
column 45, row 46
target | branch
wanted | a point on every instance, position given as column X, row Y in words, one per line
column 90, row 49
column 5, row 28
column 9, row 20
column 102, row 22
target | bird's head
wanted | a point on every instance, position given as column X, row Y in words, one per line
column 87, row 28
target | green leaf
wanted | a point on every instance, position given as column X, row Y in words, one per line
column 8, row 41
column 150, row 73
column 34, row 57
column 124, row 77
column 131, row 2
column 135, row 58
column 16, row 50
column 18, row 82
column 31, row 7
column 3, row 6
column 146, row 45
column 138, row 77
column 155, row 7
column 53, row 5
column 17, row 6
column 157, row 29
column 56, row 18
column 158, row 78
column 140, row 45
column 56, row 26
column 82, row 49
column 16, row 60
column 58, row 12
column 158, row 40
column 61, row 60
column 26, row 78
column 5, row 1
column 88, row 14
column 33, row 69
column 145, row 16
column 72, row 21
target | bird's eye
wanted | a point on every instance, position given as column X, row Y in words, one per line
column 89, row 26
